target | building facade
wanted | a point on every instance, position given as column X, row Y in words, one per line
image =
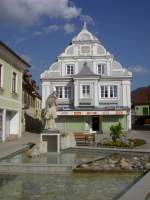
column 141, row 101
column 93, row 89
column 11, row 71
column 32, row 104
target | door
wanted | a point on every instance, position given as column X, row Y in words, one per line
column 95, row 123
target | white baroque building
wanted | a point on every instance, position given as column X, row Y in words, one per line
column 93, row 89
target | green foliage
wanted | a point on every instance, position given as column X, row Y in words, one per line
column 116, row 131
column 137, row 142
column 130, row 144
column 118, row 143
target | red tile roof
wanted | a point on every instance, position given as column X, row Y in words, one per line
column 141, row 96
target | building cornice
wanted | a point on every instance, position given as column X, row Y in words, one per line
column 96, row 77
column 84, row 57
column 59, row 79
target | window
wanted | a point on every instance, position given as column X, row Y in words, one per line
column 14, row 82
column 109, row 91
column 63, row 92
column 70, row 69
column 115, row 91
column 101, row 68
column 67, row 92
column 59, row 92
column 145, row 111
column 104, row 91
column 85, row 91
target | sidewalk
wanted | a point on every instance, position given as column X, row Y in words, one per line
column 8, row 147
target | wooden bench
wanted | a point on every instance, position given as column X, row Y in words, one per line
column 84, row 137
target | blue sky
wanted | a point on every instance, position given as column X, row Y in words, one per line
column 40, row 30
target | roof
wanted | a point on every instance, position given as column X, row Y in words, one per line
column 84, row 35
column 16, row 55
column 141, row 95
column 85, row 71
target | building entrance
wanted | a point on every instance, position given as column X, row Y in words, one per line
column 95, row 123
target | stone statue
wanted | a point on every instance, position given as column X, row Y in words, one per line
column 51, row 111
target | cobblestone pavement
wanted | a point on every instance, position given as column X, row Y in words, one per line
column 141, row 134
column 11, row 146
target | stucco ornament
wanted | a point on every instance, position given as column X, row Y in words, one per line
column 51, row 111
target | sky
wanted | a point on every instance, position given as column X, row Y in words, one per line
column 40, row 30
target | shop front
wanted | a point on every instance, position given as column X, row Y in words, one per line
column 90, row 121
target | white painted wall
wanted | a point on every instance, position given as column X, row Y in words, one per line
column 14, row 123
column 97, row 54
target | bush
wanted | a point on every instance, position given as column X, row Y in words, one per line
column 116, row 131
column 118, row 143
column 137, row 142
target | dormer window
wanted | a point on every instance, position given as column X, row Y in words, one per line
column 70, row 69
column 101, row 69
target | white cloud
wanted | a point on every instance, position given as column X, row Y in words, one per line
column 27, row 12
column 88, row 19
column 138, row 69
column 51, row 28
column 69, row 28
column 47, row 29
column 37, row 33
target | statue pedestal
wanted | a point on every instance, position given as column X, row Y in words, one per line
column 52, row 137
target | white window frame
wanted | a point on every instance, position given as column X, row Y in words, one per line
column 86, row 89
column 102, row 66
column 16, row 83
column 68, row 89
column 109, row 92
column 105, row 91
column 2, row 76
column 70, row 70
column 63, row 91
